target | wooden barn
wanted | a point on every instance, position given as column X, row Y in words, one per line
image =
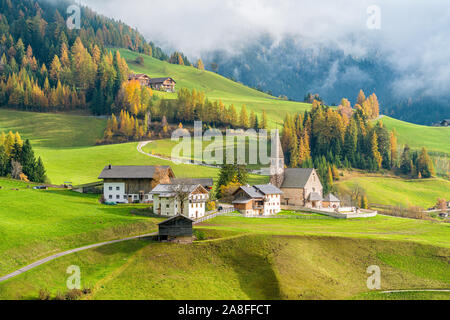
column 143, row 79
column 178, row 228
column 163, row 84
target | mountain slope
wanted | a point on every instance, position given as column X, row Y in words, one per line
column 216, row 87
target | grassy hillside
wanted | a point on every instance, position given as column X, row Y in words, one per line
column 216, row 87
column 247, row 267
column 435, row 139
column 398, row 191
column 66, row 145
column 36, row 223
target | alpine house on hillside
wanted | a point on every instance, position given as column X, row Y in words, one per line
column 128, row 184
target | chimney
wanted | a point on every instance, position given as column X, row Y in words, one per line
column 109, row 167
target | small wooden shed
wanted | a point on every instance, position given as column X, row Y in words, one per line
column 177, row 227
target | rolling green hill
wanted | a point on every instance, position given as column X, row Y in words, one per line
column 434, row 139
column 258, row 259
column 66, row 144
column 397, row 191
column 216, row 87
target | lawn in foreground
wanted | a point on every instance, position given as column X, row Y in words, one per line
column 37, row 223
column 254, row 267
column 397, row 191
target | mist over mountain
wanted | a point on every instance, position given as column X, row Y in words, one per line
column 294, row 68
column 292, row 47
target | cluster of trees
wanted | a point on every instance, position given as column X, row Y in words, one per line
column 45, row 66
column 74, row 77
column 126, row 127
column 345, row 138
column 369, row 106
column 193, row 105
column 231, row 177
column 416, row 164
column 17, row 159
column 134, row 98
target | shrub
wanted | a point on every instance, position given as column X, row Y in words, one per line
column 44, row 294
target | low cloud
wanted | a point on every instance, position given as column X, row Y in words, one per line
column 414, row 35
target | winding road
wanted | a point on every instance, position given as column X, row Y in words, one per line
column 65, row 253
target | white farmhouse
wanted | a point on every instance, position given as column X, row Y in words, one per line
column 260, row 200
column 180, row 199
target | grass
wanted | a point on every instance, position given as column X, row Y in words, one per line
column 66, row 145
column 434, row 139
column 37, row 223
column 398, row 191
column 254, row 267
column 216, row 87
column 53, row 130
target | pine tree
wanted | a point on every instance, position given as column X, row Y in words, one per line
column 39, row 172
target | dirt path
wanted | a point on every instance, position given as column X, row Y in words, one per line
column 65, row 253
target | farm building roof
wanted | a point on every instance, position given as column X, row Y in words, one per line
column 268, row 189
column 170, row 190
column 314, row 196
column 176, row 217
column 160, row 80
column 296, row 177
column 331, row 198
column 207, row 182
column 130, row 172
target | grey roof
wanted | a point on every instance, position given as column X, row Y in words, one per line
column 268, row 189
column 129, row 172
column 207, row 182
column 252, row 192
column 314, row 196
column 242, row 201
column 174, row 217
column 331, row 198
column 296, row 177
column 160, row 80
column 169, row 190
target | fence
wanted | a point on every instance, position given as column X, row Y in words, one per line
column 213, row 215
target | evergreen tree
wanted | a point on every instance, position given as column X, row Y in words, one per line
column 39, row 172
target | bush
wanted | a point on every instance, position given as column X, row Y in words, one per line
column 44, row 294
column 74, row 294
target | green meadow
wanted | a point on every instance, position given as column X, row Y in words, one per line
column 37, row 223
column 66, row 144
column 398, row 191
column 216, row 87
column 259, row 259
column 434, row 139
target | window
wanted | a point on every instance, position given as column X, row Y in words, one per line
column 117, row 188
column 110, row 196
column 167, row 206
column 135, row 197
column 110, row 188
column 117, row 197
column 125, row 196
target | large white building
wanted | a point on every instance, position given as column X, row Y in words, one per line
column 260, row 200
column 180, row 199
column 129, row 184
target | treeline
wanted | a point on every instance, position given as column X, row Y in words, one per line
column 44, row 66
column 193, row 105
column 75, row 77
column 17, row 159
column 327, row 139
column 125, row 128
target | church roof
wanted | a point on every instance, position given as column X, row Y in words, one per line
column 296, row 177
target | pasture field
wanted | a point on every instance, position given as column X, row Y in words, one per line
column 66, row 145
column 399, row 191
column 216, row 87
column 35, row 224
column 258, row 259
column 434, row 139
